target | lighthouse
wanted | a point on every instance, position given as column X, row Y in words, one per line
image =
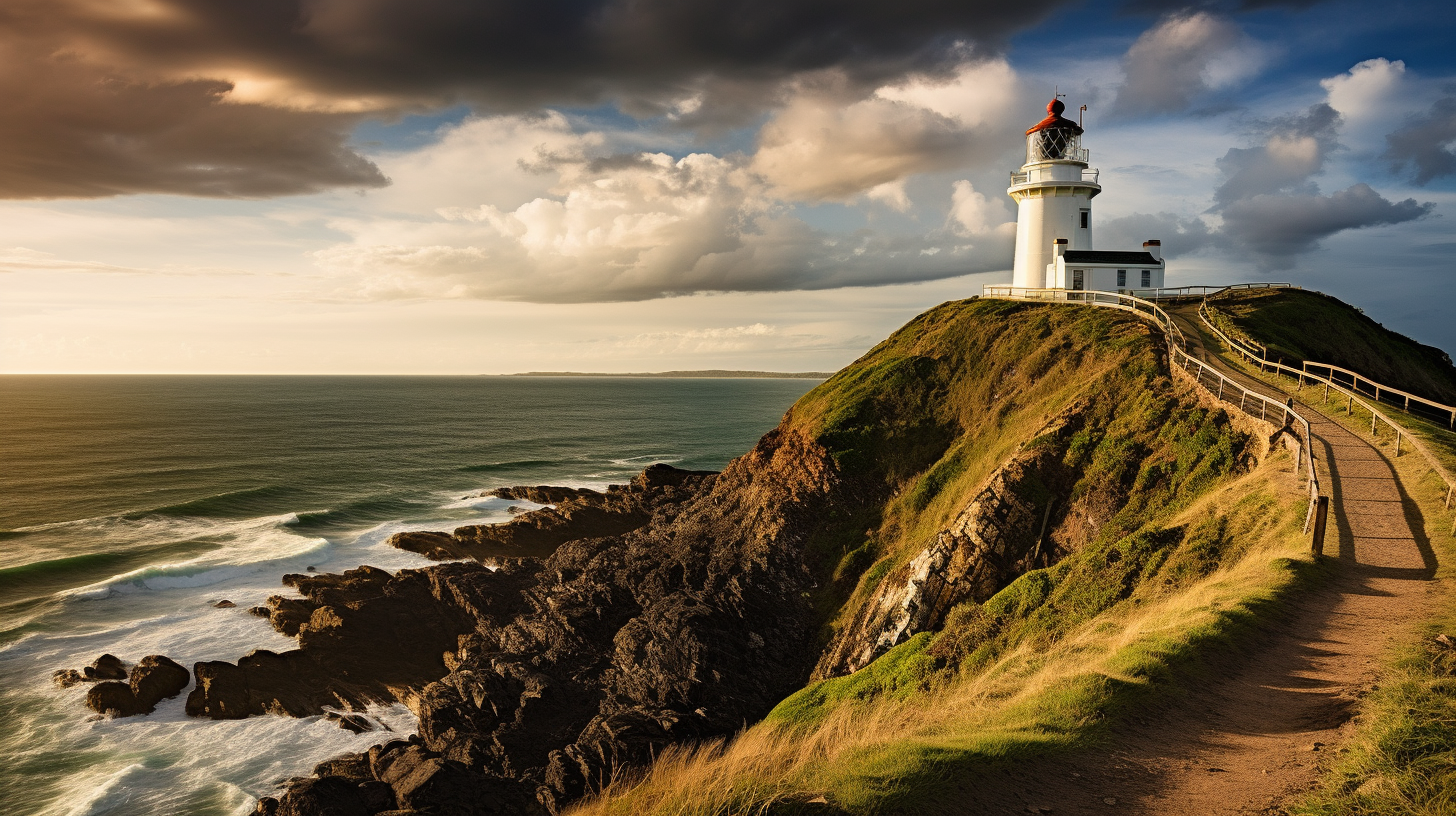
column 1053, row 191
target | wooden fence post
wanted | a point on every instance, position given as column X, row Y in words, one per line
column 1321, row 515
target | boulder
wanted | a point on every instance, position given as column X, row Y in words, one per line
column 224, row 604
column 156, row 678
column 106, row 667
column 326, row 796
column 112, row 697
column 65, row 678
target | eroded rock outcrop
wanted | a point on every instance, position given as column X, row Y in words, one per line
column 153, row 679
column 575, row 513
column 1000, row 535
column 577, row 665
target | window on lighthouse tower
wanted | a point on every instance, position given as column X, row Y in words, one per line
column 1086, row 219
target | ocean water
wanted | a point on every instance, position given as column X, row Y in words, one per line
column 129, row 505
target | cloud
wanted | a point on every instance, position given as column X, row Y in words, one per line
column 1426, row 143
column 219, row 98
column 1294, row 148
column 1277, row 228
column 972, row 214
column 1272, row 208
column 822, row 146
column 73, row 129
column 629, row 227
column 1180, row 235
column 1180, row 60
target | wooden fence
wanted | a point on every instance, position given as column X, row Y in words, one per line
column 1215, row 383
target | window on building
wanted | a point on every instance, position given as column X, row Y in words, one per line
column 1077, row 279
column 1147, row 278
column 1122, row 279
column 1086, row 219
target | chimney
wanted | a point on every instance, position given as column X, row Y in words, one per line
column 1059, row 248
column 1154, row 248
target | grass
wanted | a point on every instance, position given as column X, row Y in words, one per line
column 1304, row 325
column 1049, row 664
column 926, row 417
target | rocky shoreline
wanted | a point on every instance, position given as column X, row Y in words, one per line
column 576, row 642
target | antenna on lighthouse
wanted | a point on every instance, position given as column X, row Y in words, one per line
column 1079, row 115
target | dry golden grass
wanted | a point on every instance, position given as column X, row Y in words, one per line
column 1037, row 697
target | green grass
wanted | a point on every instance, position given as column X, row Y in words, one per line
column 1304, row 325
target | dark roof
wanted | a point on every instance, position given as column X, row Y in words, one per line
column 1094, row 256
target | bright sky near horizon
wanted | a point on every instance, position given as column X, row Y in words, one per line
column 438, row 186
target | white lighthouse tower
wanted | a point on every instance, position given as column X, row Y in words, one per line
column 1053, row 192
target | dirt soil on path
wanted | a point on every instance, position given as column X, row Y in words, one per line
column 1260, row 735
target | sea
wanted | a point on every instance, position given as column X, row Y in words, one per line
column 130, row 505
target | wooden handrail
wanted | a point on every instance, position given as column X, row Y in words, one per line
column 1178, row 354
column 1355, row 376
column 1353, row 399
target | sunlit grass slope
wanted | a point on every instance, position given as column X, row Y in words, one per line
column 1181, row 553
column 928, row 415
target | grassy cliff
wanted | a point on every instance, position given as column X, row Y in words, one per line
column 1168, row 533
column 1299, row 325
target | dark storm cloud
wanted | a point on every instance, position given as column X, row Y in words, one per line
column 1424, row 144
column 71, row 131
column 1272, row 209
column 226, row 98
column 1277, row 228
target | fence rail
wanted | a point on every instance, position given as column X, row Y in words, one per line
column 1258, row 353
column 1222, row 388
column 1244, row 350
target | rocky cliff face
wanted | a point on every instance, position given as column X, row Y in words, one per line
column 541, row 680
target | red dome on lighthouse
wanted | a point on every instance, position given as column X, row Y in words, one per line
column 1054, row 120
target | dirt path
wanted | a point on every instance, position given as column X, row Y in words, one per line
column 1256, row 738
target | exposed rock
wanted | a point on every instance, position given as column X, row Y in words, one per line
column 543, row 494
column 999, row 536
column 65, row 678
column 112, row 697
column 106, row 667
column 577, row 513
column 365, row 636
column 156, row 678
column 565, row 671
column 224, row 604
column 350, row 722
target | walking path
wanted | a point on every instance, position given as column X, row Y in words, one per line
column 1257, row 737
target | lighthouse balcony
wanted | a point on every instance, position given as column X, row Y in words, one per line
column 1087, row 174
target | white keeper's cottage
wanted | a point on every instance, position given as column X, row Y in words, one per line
column 1053, row 192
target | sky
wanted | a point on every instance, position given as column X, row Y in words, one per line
column 496, row 186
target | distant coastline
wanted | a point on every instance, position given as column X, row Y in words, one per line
column 706, row 374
